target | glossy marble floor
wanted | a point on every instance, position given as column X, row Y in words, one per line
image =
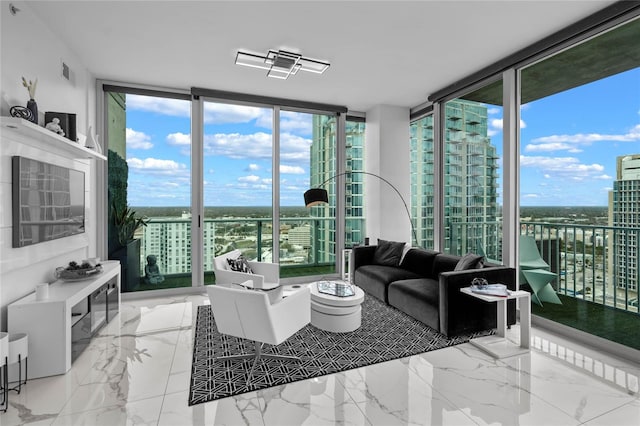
column 137, row 372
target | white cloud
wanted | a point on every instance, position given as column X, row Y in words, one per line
column 256, row 145
column 156, row 166
column 137, row 140
column 253, row 167
column 219, row 113
column 554, row 146
column 530, row 195
column 632, row 135
column 296, row 122
column 292, row 170
column 494, row 111
column 496, row 124
column 563, row 167
column 165, row 106
column 250, row 178
column 179, row 139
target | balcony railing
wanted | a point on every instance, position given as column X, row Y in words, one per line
column 307, row 245
column 593, row 262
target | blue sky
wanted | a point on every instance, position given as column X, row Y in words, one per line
column 569, row 145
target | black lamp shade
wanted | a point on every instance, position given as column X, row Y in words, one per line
column 315, row 196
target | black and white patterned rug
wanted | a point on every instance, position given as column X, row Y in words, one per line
column 385, row 334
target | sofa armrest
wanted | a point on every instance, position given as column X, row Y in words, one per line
column 361, row 255
column 461, row 313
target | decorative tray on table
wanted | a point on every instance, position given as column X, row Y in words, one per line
column 75, row 272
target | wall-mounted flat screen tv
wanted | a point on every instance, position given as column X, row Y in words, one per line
column 48, row 201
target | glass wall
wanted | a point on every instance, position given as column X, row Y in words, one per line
column 472, row 131
column 238, row 175
column 422, row 170
column 354, row 182
column 149, row 173
column 580, row 188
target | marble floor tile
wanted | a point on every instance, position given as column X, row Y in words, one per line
column 141, row 412
column 137, row 371
column 238, row 410
column 390, row 393
column 627, row 415
column 319, row 401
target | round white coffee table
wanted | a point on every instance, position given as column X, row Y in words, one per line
column 334, row 313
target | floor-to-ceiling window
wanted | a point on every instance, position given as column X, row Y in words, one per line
column 579, row 180
column 237, row 181
column 354, row 182
column 149, row 174
column 422, row 170
column 150, row 149
column 472, row 132
column 307, row 159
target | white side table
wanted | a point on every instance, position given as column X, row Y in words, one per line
column 498, row 345
column 336, row 314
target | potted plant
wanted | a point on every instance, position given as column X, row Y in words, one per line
column 126, row 222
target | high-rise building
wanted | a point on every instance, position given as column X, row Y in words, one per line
column 323, row 167
column 470, row 180
column 169, row 239
column 624, row 213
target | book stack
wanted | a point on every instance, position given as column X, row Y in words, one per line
column 491, row 290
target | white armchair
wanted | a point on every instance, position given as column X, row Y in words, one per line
column 265, row 275
column 250, row 314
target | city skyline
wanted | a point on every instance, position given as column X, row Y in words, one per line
column 571, row 137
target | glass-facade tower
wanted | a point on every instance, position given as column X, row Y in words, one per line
column 625, row 216
column 470, row 179
column 323, row 168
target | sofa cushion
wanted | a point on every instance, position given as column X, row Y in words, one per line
column 240, row 264
column 418, row 298
column 374, row 279
column 388, row 253
column 444, row 263
column 419, row 261
column 469, row 261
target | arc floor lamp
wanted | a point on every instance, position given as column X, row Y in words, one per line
column 315, row 196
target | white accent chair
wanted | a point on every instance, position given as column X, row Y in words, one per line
column 250, row 314
column 265, row 275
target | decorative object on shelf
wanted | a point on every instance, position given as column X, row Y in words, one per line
column 92, row 141
column 75, row 272
column 315, row 196
column 21, row 112
column 54, row 126
column 31, row 103
column 67, row 123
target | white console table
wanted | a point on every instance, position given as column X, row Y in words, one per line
column 49, row 322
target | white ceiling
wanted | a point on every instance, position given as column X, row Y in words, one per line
column 381, row 52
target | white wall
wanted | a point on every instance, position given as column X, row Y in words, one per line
column 30, row 49
column 387, row 154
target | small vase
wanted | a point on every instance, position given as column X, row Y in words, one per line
column 33, row 107
column 92, row 141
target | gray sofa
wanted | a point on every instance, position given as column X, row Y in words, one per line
column 425, row 286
